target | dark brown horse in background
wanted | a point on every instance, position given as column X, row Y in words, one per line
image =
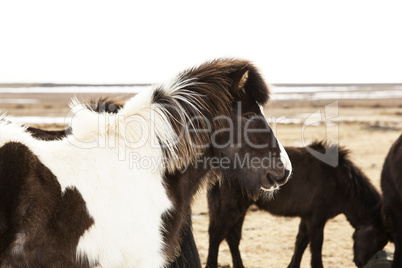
column 391, row 185
column 316, row 192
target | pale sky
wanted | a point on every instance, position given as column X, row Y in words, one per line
column 149, row 41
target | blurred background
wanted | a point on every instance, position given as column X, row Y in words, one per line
column 312, row 53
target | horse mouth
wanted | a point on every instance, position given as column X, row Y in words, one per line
column 269, row 184
column 272, row 182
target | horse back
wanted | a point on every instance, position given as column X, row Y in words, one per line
column 312, row 188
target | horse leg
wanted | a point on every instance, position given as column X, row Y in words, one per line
column 233, row 240
column 226, row 206
column 219, row 226
column 317, row 238
column 188, row 250
column 394, row 219
column 397, row 263
column 217, row 232
column 302, row 241
column 215, row 239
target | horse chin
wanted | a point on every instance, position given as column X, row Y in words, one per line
column 266, row 188
column 268, row 194
column 254, row 192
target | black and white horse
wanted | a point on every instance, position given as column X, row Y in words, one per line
column 188, row 253
column 117, row 191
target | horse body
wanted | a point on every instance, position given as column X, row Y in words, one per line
column 391, row 185
column 316, row 193
column 112, row 191
column 40, row 224
column 133, row 172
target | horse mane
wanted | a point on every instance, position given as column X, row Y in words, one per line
column 226, row 73
column 180, row 116
column 333, row 149
column 206, row 92
column 104, row 104
column 359, row 188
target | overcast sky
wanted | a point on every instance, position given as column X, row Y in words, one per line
column 149, row 41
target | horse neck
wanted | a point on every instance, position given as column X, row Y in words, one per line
column 183, row 185
column 193, row 176
column 361, row 201
column 181, row 188
column 358, row 212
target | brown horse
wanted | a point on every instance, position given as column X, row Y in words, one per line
column 94, row 193
column 391, row 185
column 316, row 192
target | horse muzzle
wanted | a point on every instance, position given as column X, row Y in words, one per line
column 274, row 181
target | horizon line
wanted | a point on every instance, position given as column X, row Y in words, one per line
column 21, row 85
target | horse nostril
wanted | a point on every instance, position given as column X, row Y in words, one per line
column 281, row 181
column 287, row 173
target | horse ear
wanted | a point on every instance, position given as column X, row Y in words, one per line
column 240, row 78
column 243, row 80
column 248, row 80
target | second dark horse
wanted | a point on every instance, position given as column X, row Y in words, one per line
column 316, row 192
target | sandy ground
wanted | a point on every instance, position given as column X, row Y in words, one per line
column 367, row 128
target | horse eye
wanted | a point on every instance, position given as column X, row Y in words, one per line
column 250, row 116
